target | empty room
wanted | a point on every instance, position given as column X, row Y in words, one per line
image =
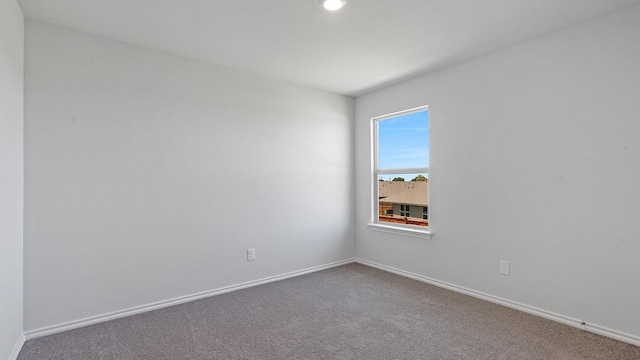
column 319, row 179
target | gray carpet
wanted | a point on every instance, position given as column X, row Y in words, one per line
column 349, row 312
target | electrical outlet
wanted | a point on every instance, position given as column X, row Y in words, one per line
column 504, row 267
column 251, row 254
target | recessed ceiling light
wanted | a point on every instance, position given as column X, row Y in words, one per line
column 333, row 5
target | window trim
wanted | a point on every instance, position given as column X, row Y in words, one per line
column 375, row 224
column 403, row 230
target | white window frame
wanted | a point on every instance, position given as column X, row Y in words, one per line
column 375, row 224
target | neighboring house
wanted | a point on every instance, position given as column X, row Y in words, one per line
column 403, row 202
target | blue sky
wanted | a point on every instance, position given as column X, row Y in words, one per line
column 404, row 142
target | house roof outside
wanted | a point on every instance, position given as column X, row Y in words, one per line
column 403, row 192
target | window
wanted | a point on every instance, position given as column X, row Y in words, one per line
column 404, row 210
column 401, row 171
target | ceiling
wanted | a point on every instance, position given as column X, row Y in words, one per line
column 366, row 45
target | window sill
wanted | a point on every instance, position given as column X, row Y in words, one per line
column 401, row 230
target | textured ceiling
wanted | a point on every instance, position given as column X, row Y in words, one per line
column 368, row 44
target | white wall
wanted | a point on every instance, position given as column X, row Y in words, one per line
column 11, row 174
column 140, row 167
column 536, row 160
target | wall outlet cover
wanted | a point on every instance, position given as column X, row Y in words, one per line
column 504, row 267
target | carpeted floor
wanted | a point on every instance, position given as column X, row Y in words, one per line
column 349, row 312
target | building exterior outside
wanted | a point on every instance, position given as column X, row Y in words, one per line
column 403, row 202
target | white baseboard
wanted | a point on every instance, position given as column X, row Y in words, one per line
column 31, row 334
column 17, row 348
column 597, row 329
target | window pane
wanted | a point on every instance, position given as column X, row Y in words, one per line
column 402, row 152
column 395, row 199
column 404, row 141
